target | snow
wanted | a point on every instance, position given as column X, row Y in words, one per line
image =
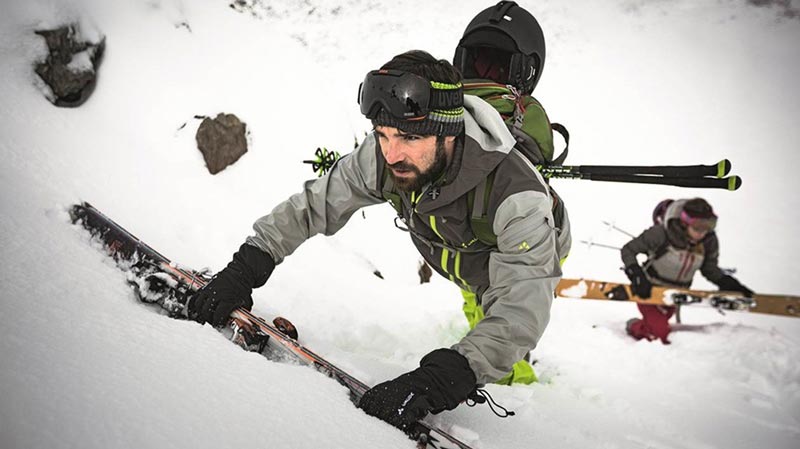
column 637, row 82
column 81, row 62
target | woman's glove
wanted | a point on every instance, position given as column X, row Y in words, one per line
column 731, row 284
column 641, row 286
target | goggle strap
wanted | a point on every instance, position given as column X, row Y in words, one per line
column 707, row 223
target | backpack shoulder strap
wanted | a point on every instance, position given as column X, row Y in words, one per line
column 558, row 209
column 561, row 129
column 527, row 146
column 479, row 218
column 478, row 204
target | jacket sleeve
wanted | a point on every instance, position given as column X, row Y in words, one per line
column 710, row 268
column 647, row 242
column 522, row 278
column 324, row 205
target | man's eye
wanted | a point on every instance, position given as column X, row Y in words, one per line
column 411, row 137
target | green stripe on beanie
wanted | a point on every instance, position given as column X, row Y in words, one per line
column 437, row 123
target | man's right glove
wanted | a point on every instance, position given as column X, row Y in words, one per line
column 231, row 287
column 640, row 285
column 442, row 381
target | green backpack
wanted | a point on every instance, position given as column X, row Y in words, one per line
column 526, row 119
column 530, row 126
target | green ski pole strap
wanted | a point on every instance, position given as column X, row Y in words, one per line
column 323, row 161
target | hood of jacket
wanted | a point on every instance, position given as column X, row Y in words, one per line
column 487, row 141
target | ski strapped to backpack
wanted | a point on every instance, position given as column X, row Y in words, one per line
column 533, row 131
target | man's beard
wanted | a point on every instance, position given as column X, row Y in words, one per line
column 415, row 183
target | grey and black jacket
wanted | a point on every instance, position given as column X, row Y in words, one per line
column 673, row 260
column 514, row 281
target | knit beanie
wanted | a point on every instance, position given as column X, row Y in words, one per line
column 698, row 208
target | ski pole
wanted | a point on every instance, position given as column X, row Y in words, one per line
column 614, row 227
column 600, row 245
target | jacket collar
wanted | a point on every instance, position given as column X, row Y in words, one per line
column 486, row 143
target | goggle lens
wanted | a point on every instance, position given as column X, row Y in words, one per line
column 699, row 224
column 403, row 95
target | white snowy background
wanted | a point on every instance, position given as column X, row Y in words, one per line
column 82, row 364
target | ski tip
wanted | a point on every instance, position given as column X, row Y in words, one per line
column 77, row 211
column 723, row 168
column 734, row 182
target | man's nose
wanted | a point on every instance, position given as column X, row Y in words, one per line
column 392, row 152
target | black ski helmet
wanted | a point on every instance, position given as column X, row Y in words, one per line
column 512, row 38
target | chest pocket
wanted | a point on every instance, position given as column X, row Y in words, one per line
column 677, row 266
column 452, row 227
column 458, row 256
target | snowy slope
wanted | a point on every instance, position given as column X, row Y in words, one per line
column 670, row 81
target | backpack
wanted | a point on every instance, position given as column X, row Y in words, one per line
column 533, row 131
column 660, row 210
column 525, row 118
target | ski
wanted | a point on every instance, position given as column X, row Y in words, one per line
column 723, row 301
column 718, row 170
column 157, row 280
column 696, row 176
column 727, row 183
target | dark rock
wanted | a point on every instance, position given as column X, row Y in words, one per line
column 70, row 69
column 784, row 7
column 222, row 141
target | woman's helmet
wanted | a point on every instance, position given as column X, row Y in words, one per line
column 503, row 43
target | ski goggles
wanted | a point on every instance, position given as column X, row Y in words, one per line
column 406, row 96
column 706, row 224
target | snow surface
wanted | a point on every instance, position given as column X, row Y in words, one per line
column 82, row 364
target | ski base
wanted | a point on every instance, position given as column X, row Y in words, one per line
column 785, row 305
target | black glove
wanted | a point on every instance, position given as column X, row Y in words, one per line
column 731, row 284
column 442, row 381
column 231, row 287
column 640, row 285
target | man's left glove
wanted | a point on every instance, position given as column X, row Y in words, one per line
column 442, row 381
column 731, row 284
column 231, row 287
